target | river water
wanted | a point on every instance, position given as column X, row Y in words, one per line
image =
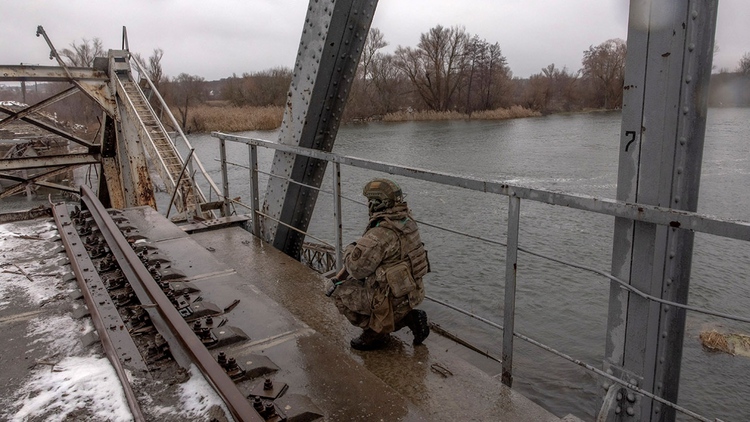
column 562, row 307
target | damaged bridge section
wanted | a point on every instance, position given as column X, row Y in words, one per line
column 131, row 140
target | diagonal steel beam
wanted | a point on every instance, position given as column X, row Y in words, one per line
column 333, row 38
column 23, row 182
column 97, row 92
column 38, row 106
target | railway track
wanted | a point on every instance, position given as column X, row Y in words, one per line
column 155, row 325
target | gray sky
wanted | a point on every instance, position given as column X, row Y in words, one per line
column 214, row 39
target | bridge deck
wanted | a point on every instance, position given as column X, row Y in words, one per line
column 412, row 373
column 289, row 320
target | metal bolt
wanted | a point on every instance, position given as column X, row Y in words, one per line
column 268, row 385
column 270, row 410
column 618, row 410
column 630, row 411
column 631, row 397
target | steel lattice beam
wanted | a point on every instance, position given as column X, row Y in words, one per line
column 333, row 37
column 668, row 66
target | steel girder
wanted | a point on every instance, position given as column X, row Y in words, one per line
column 332, row 40
column 25, row 163
column 51, row 74
column 668, row 65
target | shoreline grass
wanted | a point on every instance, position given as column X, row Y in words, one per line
column 209, row 118
column 514, row 112
column 225, row 118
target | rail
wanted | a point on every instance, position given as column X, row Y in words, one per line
column 184, row 344
column 674, row 219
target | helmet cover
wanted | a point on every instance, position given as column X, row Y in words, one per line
column 382, row 194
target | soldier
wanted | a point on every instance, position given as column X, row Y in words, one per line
column 381, row 282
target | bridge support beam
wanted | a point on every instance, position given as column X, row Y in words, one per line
column 668, row 66
column 333, row 36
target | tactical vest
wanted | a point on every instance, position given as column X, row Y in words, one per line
column 404, row 273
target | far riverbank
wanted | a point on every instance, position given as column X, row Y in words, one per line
column 225, row 118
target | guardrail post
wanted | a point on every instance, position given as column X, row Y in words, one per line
column 253, row 152
column 337, row 214
column 224, row 177
column 511, row 255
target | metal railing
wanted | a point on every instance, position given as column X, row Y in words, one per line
column 141, row 74
column 638, row 212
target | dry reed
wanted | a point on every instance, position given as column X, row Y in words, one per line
column 513, row 112
column 715, row 342
column 735, row 344
column 207, row 118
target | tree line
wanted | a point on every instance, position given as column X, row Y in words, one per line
column 449, row 70
column 452, row 70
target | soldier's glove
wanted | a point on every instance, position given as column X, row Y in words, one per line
column 335, row 283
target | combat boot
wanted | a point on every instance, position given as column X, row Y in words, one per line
column 369, row 340
column 416, row 320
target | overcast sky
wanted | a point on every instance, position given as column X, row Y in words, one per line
column 215, row 39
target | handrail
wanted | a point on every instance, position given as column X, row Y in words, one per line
column 143, row 74
column 734, row 229
column 143, row 128
column 623, row 285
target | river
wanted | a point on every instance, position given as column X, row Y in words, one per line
column 562, row 307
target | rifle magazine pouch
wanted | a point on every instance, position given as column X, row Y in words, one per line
column 400, row 280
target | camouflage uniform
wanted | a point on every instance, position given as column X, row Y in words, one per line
column 385, row 266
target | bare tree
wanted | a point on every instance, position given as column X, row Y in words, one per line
column 436, row 66
column 374, row 43
column 154, row 69
column 487, row 75
column 360, row 104
column 186, row 91
column 744, row 64
column 387, row 83
column 604, row 67
column 264, row 88
column 82, row 55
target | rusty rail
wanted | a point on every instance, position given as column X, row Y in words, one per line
column 84, row 270
column 148, row 290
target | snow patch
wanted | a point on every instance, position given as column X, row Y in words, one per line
column 48, row 330
column 196, row 396
column 12, row 104
column 31, row 263
column 75, row 386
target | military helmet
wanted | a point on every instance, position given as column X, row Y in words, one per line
column 382, row 194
